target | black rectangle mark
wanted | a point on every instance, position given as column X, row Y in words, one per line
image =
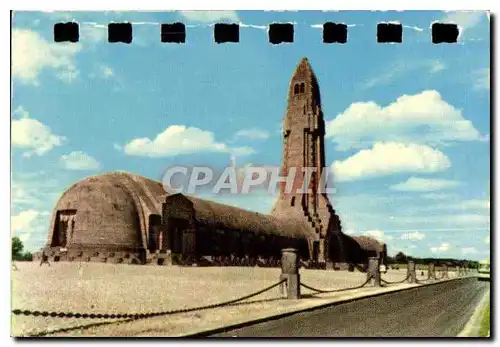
column 444, row 33
column 334, row 33
column 226, row 33
column 280, row 32
column 173, row 33
column 120, row 32
column 66, row 32
column 389, row 32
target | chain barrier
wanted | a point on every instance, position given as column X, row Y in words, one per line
column 395, row 282
column 335, row 290
column 136, row 315
column 442, row 275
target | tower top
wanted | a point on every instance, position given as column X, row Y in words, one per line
column 304, row 81
column 304, row 65
column 304, row 69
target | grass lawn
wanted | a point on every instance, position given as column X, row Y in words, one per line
column 484, row 329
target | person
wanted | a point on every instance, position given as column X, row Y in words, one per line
column 45, row 259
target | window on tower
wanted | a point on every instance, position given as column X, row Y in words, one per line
column 296, row 88
column 293, row 201
column 302, row 88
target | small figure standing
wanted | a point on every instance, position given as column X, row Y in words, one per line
column 45, row 259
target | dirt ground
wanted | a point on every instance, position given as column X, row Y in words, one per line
column 108, row 288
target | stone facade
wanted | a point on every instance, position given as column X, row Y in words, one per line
column 120, row 217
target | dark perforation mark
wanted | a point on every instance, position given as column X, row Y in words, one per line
column 173, row 33
column 388, row 32
column 66, row 32
column 226, row 33
column 444, row 33
column 334, row 33
column 280, row 32
column 120, row 32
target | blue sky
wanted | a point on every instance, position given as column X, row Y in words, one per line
column 407, row 124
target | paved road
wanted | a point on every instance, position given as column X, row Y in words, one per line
column 431, row 311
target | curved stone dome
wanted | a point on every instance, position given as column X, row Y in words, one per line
column 98, row 212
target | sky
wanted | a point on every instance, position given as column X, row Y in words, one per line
column 407, row 125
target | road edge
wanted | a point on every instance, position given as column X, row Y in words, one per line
column 212, row 331
column 471, row 327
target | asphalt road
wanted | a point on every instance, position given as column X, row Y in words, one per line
column 439, row 310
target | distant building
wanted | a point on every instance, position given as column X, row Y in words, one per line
column 125, row 218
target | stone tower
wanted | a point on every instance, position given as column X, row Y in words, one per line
column 304, row 147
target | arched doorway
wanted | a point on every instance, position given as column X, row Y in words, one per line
column 154, row 232
column 63, row 228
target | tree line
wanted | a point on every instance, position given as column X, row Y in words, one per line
column 401, row 258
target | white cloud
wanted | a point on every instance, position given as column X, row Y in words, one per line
column 175, row 140
column 482, row 79
column 210, row 16
column 470, row 218
column 60, row 15
column 106, row 72
column 93, row 32
column 102, row 71
column 464, row 19
column 455, row 203
column 31, row 54
column 412, row 236
column 423, row 118
column 389, row 158
column 79, row 160
column 34, row 194
column 32, row 190
column 435, row 196
column 31, row 134
column 242, row 151
column 469, row 250
column 377, row 234
column 444, row 247
column 436, row 66
column 179, row 139
column 473, row 204
column 415, row 184
column 253, row 134
column 403, row 68
column 27, row 223
column 69, row 75
column 23, row 221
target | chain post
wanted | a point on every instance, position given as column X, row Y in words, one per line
column 411, row 273
column 290, row 272
column 374, row 270
column 431, row 271
column 445, row 271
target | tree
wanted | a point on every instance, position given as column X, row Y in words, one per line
column 17, row 251
column 17, row 248
column 401, row 258
column 390, row 260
